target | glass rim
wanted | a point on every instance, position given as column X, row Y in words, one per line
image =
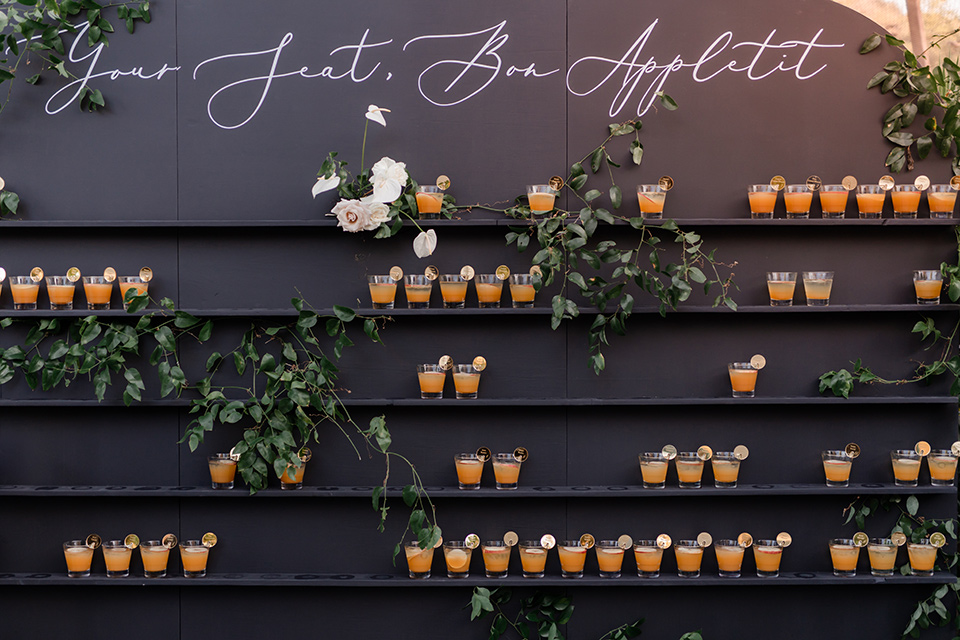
column 646, row 544
column 741, row 365
column 843, row 542
column 905, row 453
column 942, row 452
column 761, row 188
column 887, row 542
column 727, row 542
column 766, row 543
column 429, row 188
column 494, row 543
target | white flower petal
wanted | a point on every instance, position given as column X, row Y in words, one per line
column 425, row 243
column 375, row 113
column 325, row 184
column 386, row 190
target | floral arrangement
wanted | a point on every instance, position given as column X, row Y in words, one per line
column 376, row 198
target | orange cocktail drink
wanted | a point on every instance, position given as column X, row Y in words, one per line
column 431, row 378
column 653, row 470
column 870, row 199
column 418, row 289
column 131, row 282
column 609, row 558
column 836, row 467
column 572, row 558
column 651, row 198
column 533, row 558
column 729, row 558
column 453, row 290
column 833, row 200
column 456, row 555
column 522, row 290
column 781, row 285
column 726, row 469
column 906, row 467
column 223, row 470
column 506, row 470
column 689, row 469
column 689, row 555
column 429, row 201
column 943, row 467
column 906, row 200
column 648, row 556
column 883, row 556
column 489, row 290
column 927, row 283
column 844, row 555
column 542, row 198
column 923, row 556
column 762, row 198
column 79, row 557
column 60, row 291
column 797, row 198
column 97, row 290
column 469, row 470
column 24, row 291
column 419, row 560
column 383, row 291
column 193, row 557
column 154, row 556
column 817, row 286
column 496, row 558
column 942, row 198
column 743, row 379
column 116, row 555
column 767, row 554
column 466, row 381
column 292, row 477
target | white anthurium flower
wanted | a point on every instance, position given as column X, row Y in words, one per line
column 425, row 243
column 375, row 113
column 389, row 178
column 325, row 184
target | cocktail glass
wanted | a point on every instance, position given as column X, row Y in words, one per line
column 817, row 286
column 689, row 555
column 726, row 468
column 653, row 470
column 767, row 554
column 928, row 283
column 453, row 290
column 457, row 556
column 131, row 282
column 24, row 291
column 541, row 197
column 648, row 556
column 383, row 291
column 489, row 290
column 418, row 288
column 154, row 554
column 609, row 557
column 60, row 290
column 923, row 556
column 942, row 198
column 496, row 558
column 906, row 200
column 116, row 555
column 419, row 560
column 844, row 555
column 870, row 199
column 743, row 379
column 573, row 555
column 292, row 477
column 883, row 556
column 781, row 285
column 763, row 198
column 97, row 290
column 533, row 558
column 431, row 377
column 836, row 467
column 797, row 198
column 469, row 470
column 833, row 200
column 906, row 467
column 651, row 198
column 522, row 291
column 223, row 470
column 729, row 558
column 943, row 467
column 689, row 469
column 79, row 558
column 506, row 470
column 429, row 201
column 466, row 380
column 193, row 556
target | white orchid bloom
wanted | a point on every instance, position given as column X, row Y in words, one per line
column 425, row 243
column 389, row 178
column 325, row 184
column 375, row 113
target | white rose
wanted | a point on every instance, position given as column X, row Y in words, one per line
column 353, row 216
column 379, row 213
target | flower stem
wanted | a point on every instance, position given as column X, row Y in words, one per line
column 363, row 147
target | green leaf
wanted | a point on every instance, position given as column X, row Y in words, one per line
column 668, row 103
column 206, row 331
column 410, row 495
column 912, row 505
column 344, row 314
column 164, row 335
column 595, row 159
column 616, row 197
column 592, row 195
column 870, row 44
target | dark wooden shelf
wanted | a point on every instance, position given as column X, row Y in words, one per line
column 451, row 492
column 476, row 578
